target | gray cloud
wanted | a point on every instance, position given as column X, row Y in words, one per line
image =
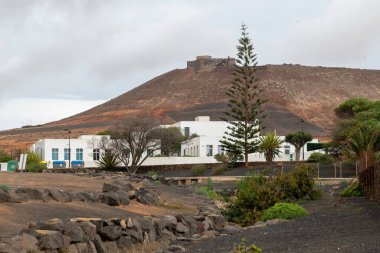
column 93, row 50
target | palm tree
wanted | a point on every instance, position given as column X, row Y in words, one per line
column 269, row 145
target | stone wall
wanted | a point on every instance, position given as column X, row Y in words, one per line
column 93, row 235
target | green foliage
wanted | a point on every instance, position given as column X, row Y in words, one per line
column 4, row 187
column 228, row 159
column 4, row 157
column 199, row 170
column 315, row 194
column 171, row 139
column 298, row 140
column 33, row 158
column 244, row 248
column 108, row 161
column 152, row 173
column 207, row 190
column 353, row 106
column 284, row 211
column 353, row 190
column 218, row 170
column 320, row 158
column 105, row 132
column 257, row 193
column 36, row 167
column 244, row 113
column 269, row 145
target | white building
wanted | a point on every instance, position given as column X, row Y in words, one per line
column 201, row 148
column 83, row 150
column 207, row 141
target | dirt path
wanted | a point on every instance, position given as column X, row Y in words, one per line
column 353, row 226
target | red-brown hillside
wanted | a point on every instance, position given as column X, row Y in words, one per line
column 293, row 91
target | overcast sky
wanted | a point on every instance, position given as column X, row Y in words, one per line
column 58, row 58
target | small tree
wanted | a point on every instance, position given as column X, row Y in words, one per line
column 171, row 139
column 269, row 145
column 244, row 113
column 133, row 140
column 298, row 140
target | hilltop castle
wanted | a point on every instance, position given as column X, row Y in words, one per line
column 206, row 61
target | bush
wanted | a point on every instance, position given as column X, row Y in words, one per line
column 315, row 194
column 353, row 190
column 320, row 158
column 199, row 170
column 108, row 161
column 243, row 248
column 284, row 211
column 257, row 193
column 218, row 170
column 4, row 187
column 152, row 173
column 36, row 167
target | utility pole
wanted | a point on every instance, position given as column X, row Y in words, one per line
column 69, row 134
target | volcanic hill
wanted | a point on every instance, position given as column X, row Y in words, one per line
column 294, row 92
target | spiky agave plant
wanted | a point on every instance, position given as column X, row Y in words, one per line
column 108, row 161
column 269, row 145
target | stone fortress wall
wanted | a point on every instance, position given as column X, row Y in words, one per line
column 206, row 61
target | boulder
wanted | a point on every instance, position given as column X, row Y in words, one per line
column 182, row 228
column 91, row 247
column 89, row 229
column 31, row 193
column 259, row 224
column 110, row 198
column 146, row 225
column 49, row 240
column 100, row 248
column 74, row 231
column 169, row 222
column 190, row 223
column 20, row 243
column 218, row 221
column 124, row 242
column 72, row 249
column 52, row 224
column 4, row 196
column 89, row 197
column 111, row 246
column 111, row 187
column 145, row 197
column 110, row 233
column 82, row 247
column 123, row 197
column 135, row 236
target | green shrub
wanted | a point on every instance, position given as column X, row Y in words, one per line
column 36, row 167
column 108, row 161
column 152, row 173
column 257, row 193
column 4, row 187
column 218, row 170
column 320, row 158
column 315, row 194
column 33, row 158
column 284, row 211
column 353, row 190
column 244, row 248
column 199, row 170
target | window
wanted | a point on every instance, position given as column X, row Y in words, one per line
column 54, row 153
column 150, row 152
column 66, row 153
column 79, row 154
column 96, row 154
column 287, row 150
column 220, row 149
column 209, row 150
column 187, row 131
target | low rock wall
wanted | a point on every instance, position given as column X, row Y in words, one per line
column 118, row 235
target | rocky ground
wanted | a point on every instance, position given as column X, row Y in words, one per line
column 34, row 199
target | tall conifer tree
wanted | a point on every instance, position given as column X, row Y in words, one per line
column 244, row 113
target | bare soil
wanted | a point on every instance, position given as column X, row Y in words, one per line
column 352, row 226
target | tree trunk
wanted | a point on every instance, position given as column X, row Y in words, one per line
column 245, row 159
column 298, row 152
